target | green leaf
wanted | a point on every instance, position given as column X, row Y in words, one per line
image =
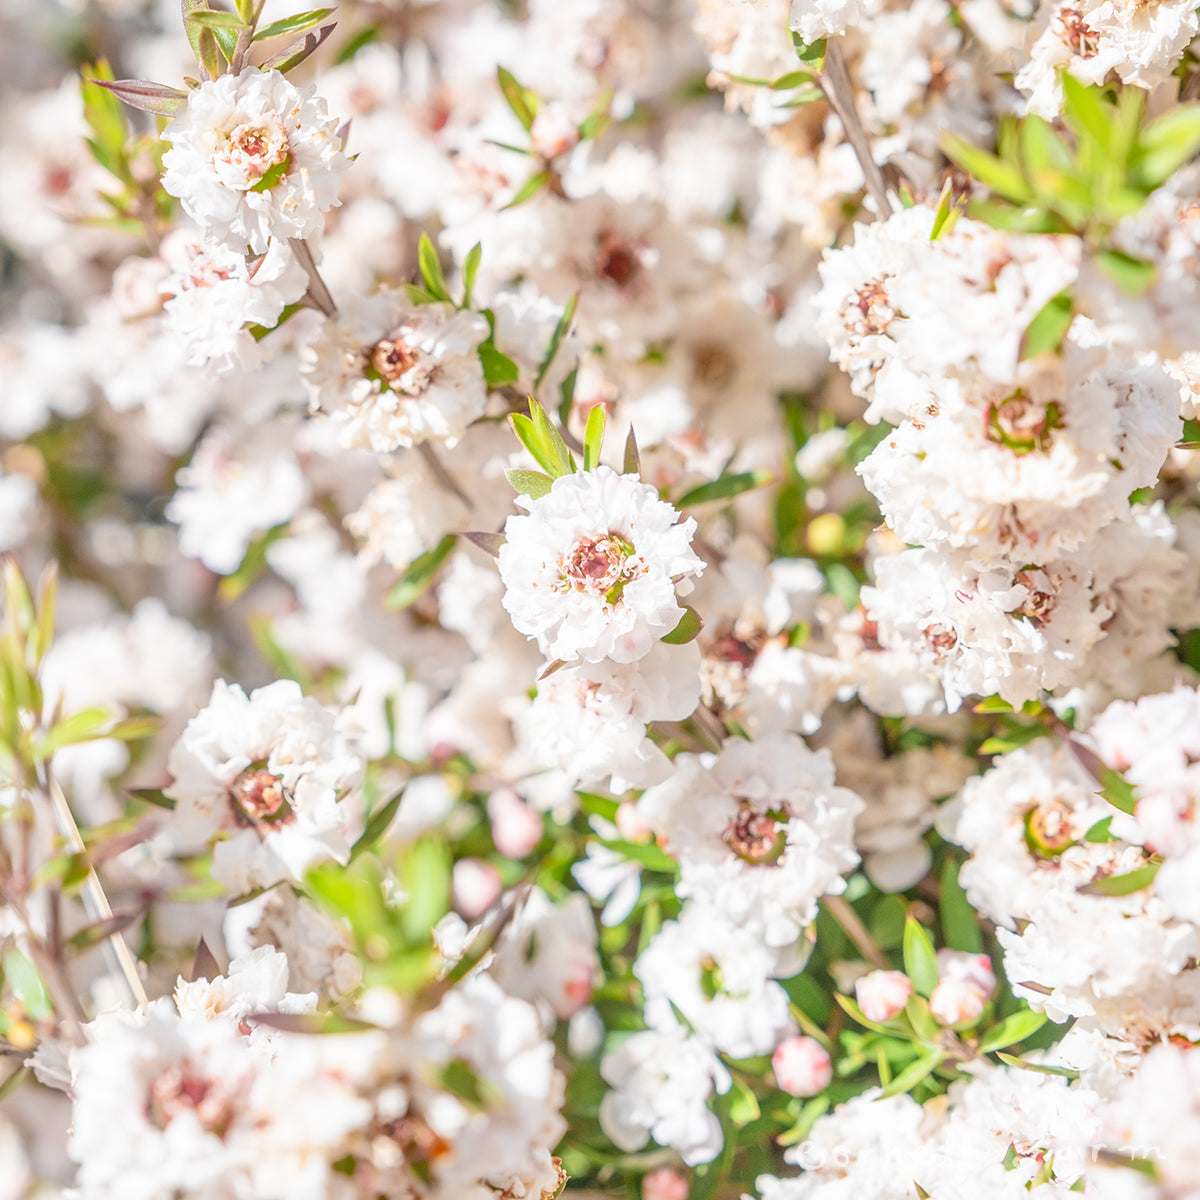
column 1116, row 789
column 25, row 980
column 1100, row 832
column 529, row 483
column 1166, row 144
column 593, row 437
column 133, row 728
column 792, row 79
column 542, row 440
column 993, row 704
column 920, row 959
column 646, row 853
column 87, row 725
column 498, row 369
column 1013, row 1061
column 960, row 924
column 431, row 270
column 273, row 175
column 1014, row 1028
column 1132, row 275
column 812, row 53
column 14, row 1081
column 687, row 630
column 100, row 931
column 423, row 871
column 1049, row 326
column 948, row 211
column 924, row 1065
column 155, row 796
column 598, row 119
column 258, row 332
column 415, row 581
column 253, row 564
column 850, row 1007
column 1122, row 885
column 521, row 100
column 528, row 189
column 1085, row 112
column 294, row 53
column 725, row 487
column 207, row 18
column 469, row 270
column 556, row 340
column 743, row 1106
column 312, row 1023
column 296, row 24
column 376, row 826
column 916, row 1009
column 998, row 175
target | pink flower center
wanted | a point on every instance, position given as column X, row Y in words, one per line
column 601, row 566
column 758, row 838
column 181, row 1088
column 252, row 149
column 258, row 797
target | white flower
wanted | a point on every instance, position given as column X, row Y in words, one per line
column 215, row 293
column 661, row 1082
column 270, row 772
column 761, row 832
column 816, row 19
column 393, row 373
column 254, row 158
column 590, row 572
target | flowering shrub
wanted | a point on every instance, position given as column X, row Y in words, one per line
column 599, row 598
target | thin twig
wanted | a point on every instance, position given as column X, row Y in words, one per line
column 835, row 83
column 839, row 909
column 318, row 292
column 94, row 896
column 443, row 476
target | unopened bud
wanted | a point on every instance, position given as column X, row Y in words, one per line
column 975, row 969
column 553, row 132
column 476, row 884
column 957, row 1002
column 516, row 828
column 883, row 994
column 665, row 1183
column 802, row 1066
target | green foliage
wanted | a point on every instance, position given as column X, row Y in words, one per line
column 536, row 433
column 415, row 581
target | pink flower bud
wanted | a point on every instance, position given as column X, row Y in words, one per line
column 975, row 969
column 632, row 824
column 957, row 1001
column 475, row 885
column 802, row 1066
column 516, row 828
column 883, row 994
column 665, row 1183
column 553, row 132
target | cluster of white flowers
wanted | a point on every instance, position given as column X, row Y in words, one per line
column 632, row 567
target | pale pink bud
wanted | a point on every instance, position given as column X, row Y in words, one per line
column 553, row 132
column 957, row 1001
column 883, row 994
column 665, row 1183
column 516, row 828
column 802, row 1066
column 975, row 969
column 632, row 824
column 475, row 886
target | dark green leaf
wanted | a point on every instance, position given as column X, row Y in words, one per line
column 725, row 487
column 377, row 825
column 556, row 340
column 412, row 585
column 687, row 630
column 498, row 369
column 960, row 924
column 925, row 1064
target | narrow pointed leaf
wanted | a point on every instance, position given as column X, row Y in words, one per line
column 431, row 270
column 470, row 267
column 920, row 961
column 633, row 459
column 593, row 437
column 556, row 340
column 529, row 483
column 687, row 630
column 296, row 52
column 725, row 487
column 522, row 101
column 296, row 24
column 1122, row 885
column 154, row 98
column 1014, row 1028
column 1049, row 326
column 415, row 581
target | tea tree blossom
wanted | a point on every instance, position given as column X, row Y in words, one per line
column 253, row 158
column 268, row 777
column 393, row 373
column 591, row 569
